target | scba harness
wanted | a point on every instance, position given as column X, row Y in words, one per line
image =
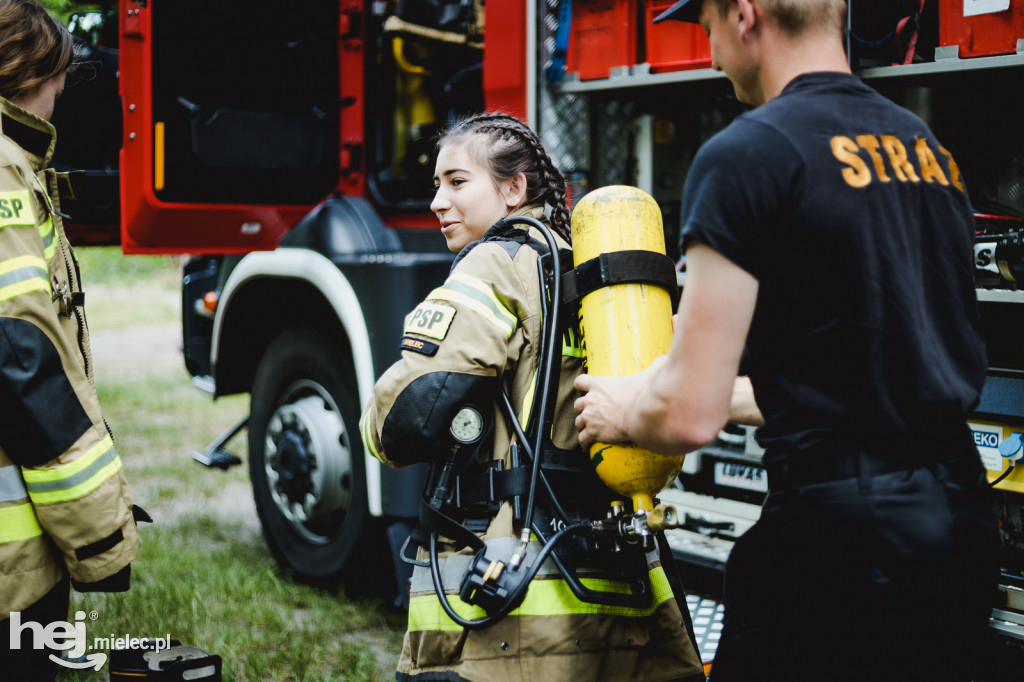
column 566, row 513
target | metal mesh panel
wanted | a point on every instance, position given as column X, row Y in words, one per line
column 614, row 141
column 563, row 119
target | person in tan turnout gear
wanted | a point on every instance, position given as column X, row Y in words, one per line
column 479, row 330
column 65, row 509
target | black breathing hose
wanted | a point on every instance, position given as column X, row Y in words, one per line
column 514, row 598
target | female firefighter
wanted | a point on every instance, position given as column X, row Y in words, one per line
column 65, row 509
column 478, row 332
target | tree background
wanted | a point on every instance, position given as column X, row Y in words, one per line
column 62, row 9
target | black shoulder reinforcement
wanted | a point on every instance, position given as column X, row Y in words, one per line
column 40, row 414
column 417, row 427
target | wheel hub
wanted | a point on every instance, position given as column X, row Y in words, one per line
column 294, row 467
column 308, row 462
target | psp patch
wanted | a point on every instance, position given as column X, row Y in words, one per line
column 15, row 209
column 430, row 319
column 428, row 348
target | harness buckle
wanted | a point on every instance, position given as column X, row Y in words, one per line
column 488, row 585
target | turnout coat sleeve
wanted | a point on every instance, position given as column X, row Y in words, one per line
column 63, row 475
column 463, row 339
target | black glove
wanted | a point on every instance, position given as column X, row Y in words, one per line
column 119, row 582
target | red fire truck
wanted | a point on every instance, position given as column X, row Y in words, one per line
column 287, row 147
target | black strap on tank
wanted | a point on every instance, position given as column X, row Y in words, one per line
column 620, row 267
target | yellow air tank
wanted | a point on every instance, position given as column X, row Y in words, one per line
column 625, row 326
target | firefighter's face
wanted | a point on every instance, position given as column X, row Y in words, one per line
column 41, row 99
column 731, row 48
column 467, row 200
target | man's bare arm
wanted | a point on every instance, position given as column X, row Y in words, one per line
column 681, row 403
column 743, row 408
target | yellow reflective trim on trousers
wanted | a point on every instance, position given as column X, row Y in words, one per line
column 49, row 237
column 364, row 431
column 18, row 522
column 23, row 274
column 76, row 479
column 544, row 598
column 476, row 295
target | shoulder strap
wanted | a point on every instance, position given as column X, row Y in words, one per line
column 508, row 237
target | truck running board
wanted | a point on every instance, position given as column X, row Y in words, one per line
column 215, row 455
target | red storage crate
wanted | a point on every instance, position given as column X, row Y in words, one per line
column 602, row 37
column 675, row 45
column 983, row 34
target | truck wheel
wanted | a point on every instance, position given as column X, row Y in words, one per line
column 306, row 459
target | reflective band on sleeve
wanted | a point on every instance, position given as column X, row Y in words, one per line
column 477, row 296
column 543, row 598
column 16, row 209
column 11, row 486
column 76, row 479
column 47, row 234
column 21, row 275
column 17, row 523
column 368, row 437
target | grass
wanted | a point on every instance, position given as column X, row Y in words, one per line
column 123, row 291
column 204, row 575
column 106, row 265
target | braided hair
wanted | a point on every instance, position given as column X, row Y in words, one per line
column 506, row 147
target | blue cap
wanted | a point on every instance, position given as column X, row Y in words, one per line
column 684, row 10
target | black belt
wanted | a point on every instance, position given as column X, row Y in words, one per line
column 952, row 448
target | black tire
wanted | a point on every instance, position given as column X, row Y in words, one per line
column 306, row 458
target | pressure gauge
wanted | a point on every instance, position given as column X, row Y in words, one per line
column 468, row 425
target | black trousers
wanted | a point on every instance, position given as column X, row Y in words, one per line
column 879, row 576
column 27, row 663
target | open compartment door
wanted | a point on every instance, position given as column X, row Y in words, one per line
column 231, row 121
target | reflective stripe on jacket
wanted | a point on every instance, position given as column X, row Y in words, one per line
column 485, row 322
column 64, row 502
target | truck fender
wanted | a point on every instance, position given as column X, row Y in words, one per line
column 321, row 273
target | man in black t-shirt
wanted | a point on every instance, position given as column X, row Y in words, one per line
column 828, row 233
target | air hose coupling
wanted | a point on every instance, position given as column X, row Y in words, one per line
column 663, row 517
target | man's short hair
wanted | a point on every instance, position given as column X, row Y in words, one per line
column 793, row 17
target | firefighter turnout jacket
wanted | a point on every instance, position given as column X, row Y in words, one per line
column 64, row 502
column 481, row 327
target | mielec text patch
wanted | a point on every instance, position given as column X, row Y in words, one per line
column 430, row 319
column 419, row 346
